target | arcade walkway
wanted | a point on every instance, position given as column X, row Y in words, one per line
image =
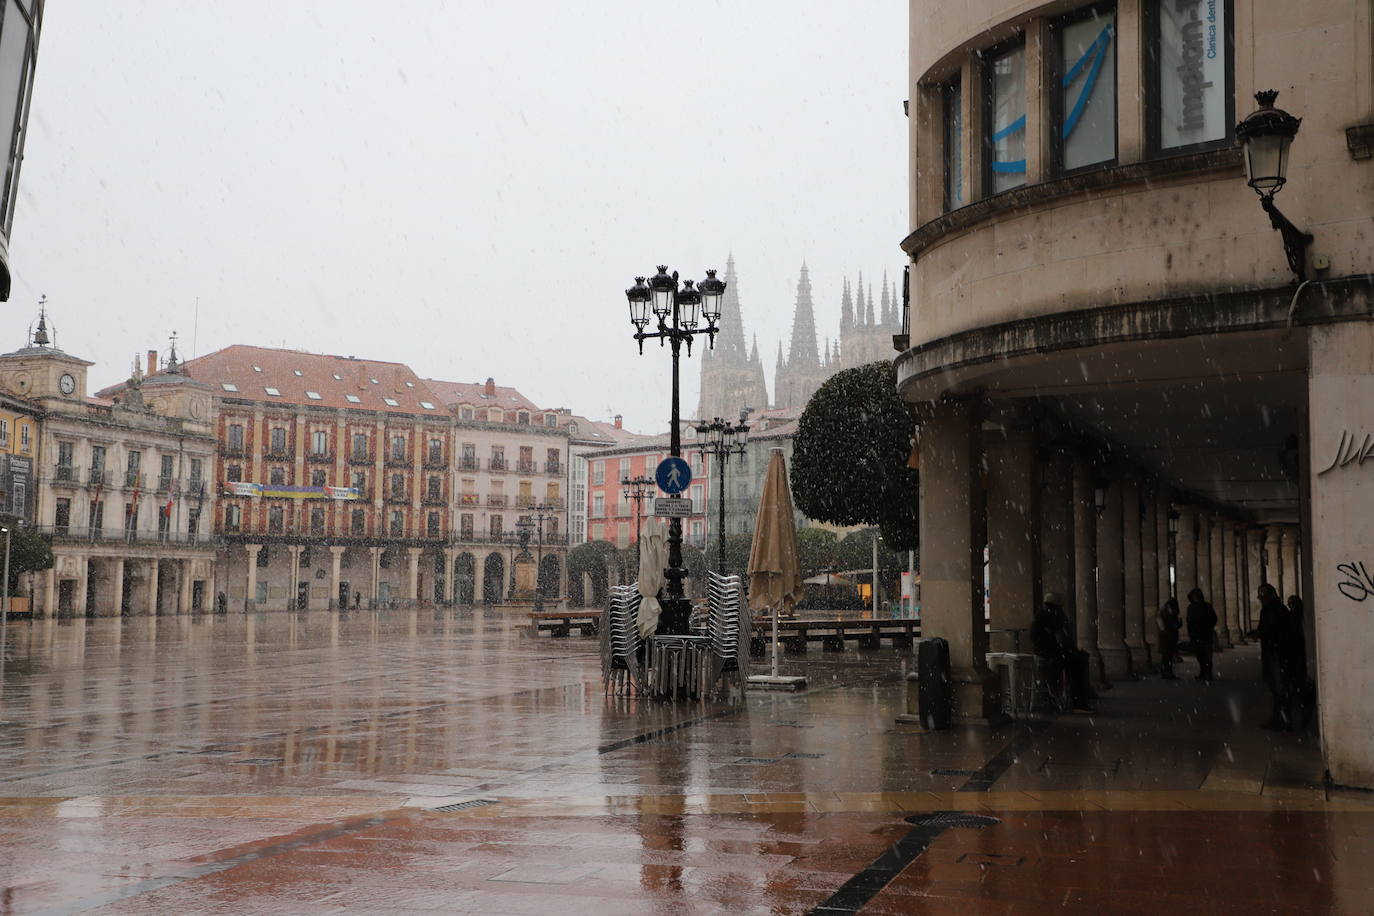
column 296, row 763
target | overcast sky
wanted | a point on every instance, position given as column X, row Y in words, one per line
column 465, row 187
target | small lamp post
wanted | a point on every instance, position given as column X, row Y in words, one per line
column 1265, row 135
column 638, row 489
column 677, row 309
column 720, row 440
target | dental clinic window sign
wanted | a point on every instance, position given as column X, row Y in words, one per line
column 1192, row 78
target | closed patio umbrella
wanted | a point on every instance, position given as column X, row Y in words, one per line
column 653, row 557
column 775, row 579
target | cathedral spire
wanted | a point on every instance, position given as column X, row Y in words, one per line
column 859, row 300
column 846, row 309
column 802, row 355
column 886, row 302
column 869, row 310
column 754, row 352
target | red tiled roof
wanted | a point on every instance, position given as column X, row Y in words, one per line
column 474, row 393
column 299, row 376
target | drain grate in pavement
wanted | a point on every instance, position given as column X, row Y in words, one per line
column 946, row 819
column 259, row 761
column 946, row 771
column 757, row 761
column 467, row 805
column 797, row 756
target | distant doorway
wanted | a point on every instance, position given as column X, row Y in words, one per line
column 493, row 578
column 302, row 595
column 344, row 592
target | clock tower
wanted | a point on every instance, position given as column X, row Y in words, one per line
column 41, row 372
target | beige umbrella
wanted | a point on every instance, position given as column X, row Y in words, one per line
column 653, row 557
column 775, row 579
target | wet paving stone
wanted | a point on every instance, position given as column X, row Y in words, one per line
column 446, row 762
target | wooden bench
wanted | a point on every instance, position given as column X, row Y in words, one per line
column 560, row 623
column 795, row 634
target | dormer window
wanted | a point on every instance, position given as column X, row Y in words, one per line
column 338, row 377
column 391, row 402
column 229, row 386
column 427, row 405
column 353, row 399
column 313, row 395
column 372, row 380
column 272, row 391
column 297, row 372
column 257, row 368
column 410, row 384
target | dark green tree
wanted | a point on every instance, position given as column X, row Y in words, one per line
column 594, row 558
column 849, row 461
column 816, row 551
column 29, row 552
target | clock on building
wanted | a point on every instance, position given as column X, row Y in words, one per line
column 66, row 383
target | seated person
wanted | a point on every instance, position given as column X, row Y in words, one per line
column 1054, row 644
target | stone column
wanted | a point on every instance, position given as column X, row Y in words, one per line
column 413, row 589
column 1185, row 554
column 83, row 573
column 152, row 586
column 1132, row 576
column 184, row 587
column 1234, row 595
column 1204, row 557
column 1057, row 529
column 50, row 591
column 1111, row 586
column 952, row 517
column 1013, row 520
column 293, row 577
column 1273, row 557
column 1289, row 555
column 375, row 588
column 335, row 567
column 450, row 579
column 479, row 580
column 1150, row 551
column 1162, row 508
column 116, row 605
column 250, row 599
column 1254, row 551
column 1217, row 577
column 1085, row 563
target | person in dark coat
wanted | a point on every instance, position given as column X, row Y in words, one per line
column 1293, row 663
column 1202, row 627
column 1168, row 624
column 1054, row 644
column 1273, row 632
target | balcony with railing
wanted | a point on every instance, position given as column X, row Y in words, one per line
column 432, row 498
column 133, row 480
column 469, row 499
column 360, row 456
column 72, row 534
column 553, row 467
column 469, row 463
column 66, row 475
column 498, row 465
column 435, row 460
column 280, row 453
column 527, row 467
column 98, row 477
column 232, row 450
column 398, row 497
column 498, row 500
column 324, row 456
column 396, row 459
column 526, row 502
column 165, row 482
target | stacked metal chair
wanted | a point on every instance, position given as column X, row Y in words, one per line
column 621, row 667
column 727, row 626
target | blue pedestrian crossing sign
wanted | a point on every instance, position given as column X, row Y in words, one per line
column 673, row 475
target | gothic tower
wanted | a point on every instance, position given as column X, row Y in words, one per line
column 802, row 373
column 731, row 377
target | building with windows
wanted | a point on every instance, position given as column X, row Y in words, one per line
column 510, row 467
column 587, row 438
column 335, row 479
column 612, row 515
column 1128, row 384
column 120, row 485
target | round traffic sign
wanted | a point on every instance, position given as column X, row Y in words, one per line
column 673, row 475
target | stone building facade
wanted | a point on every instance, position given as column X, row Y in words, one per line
column 1122, row 390
column 122, row 487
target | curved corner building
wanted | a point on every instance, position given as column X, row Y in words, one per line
column 1123, row 390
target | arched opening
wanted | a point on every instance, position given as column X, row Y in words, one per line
column 464, row 581
column 493, row 578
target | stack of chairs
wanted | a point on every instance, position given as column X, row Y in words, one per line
column 727, row 625
column 621, row 667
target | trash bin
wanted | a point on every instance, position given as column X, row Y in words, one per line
column 933, row 695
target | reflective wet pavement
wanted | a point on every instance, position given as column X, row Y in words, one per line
column 293, row 764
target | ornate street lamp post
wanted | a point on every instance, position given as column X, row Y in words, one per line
column 638, row 489
column 720, row 440
column 540, row 511
column 677, row 309
column 1265, row 135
